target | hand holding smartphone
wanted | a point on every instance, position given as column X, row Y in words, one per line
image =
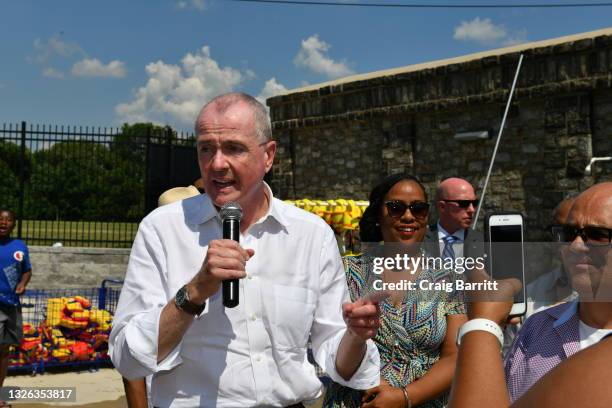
column 506, row 255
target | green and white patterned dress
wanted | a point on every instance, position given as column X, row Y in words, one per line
column 410, row 336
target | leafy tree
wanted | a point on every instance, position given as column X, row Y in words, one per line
column 10, row 162
column 131, row 143
column 85, row 179
column 10, row 153
column 79, row 180
column 9, row 189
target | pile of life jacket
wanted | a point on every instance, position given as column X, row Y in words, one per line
column 72, row 330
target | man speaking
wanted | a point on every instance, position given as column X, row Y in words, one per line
column 170, row 320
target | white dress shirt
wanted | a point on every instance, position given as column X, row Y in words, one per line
column 250, row 355
column 457, row 246
column 590, row 335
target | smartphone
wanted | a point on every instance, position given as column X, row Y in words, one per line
column 506, row 255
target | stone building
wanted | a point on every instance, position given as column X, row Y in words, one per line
column 338, row 138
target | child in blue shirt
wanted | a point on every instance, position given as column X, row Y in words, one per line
column 15, row 273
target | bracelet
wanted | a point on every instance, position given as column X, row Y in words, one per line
column 484, row 325
column 407, row 402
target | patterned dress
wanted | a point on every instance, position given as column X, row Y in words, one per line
column 411, row 334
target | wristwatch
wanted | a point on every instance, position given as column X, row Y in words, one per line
column 181, row 300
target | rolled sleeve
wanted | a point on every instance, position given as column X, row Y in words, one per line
column 367, row 375
column 329, row 327
column 134, row 348
column 133, row 342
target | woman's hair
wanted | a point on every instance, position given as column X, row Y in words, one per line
column 369, row 226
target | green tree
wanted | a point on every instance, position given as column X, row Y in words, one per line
column 131, row 142
column 10, row 162
column 94, row 180
column 81, row 180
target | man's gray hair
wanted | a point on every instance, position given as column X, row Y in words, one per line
column 223, row 102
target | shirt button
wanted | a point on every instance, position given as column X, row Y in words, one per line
column 258, row 359
column 249, row 276
column 253, row 317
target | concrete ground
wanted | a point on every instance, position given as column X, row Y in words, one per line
column 98, row 389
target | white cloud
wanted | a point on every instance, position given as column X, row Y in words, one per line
column 178, row 92
column 485, row 32
column 196, row 4
column 53, row 73
column 45, row 50
column 313, row 56
column 481, row 31
column 93, row 67
column 54, row 48
column 271, row 88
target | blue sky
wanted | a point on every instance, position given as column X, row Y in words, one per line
column 105, row 63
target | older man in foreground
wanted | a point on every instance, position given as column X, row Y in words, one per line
column 554, row 334
column 546, row 367
column 170, row 320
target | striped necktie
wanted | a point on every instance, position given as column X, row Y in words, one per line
column 448, row 251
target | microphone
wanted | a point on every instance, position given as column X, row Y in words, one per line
column 231, row 214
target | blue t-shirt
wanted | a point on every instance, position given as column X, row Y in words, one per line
column 14, row 262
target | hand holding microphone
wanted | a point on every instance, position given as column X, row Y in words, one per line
column 225, row 261
column 231, row 214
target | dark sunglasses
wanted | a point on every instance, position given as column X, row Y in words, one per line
column 591, row 235
column 397, row 208
column 465, row 204
column 556, row 230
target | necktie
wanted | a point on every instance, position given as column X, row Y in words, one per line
column 448, row 251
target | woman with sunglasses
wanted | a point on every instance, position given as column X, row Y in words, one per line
column 416, row 339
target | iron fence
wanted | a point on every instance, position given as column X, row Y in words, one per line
column 85, row 186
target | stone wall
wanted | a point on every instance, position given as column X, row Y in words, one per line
column 340, row 139
column 64, row 267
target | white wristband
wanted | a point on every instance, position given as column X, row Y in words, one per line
column 484, row 325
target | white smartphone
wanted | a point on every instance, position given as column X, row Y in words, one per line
column 506, row 255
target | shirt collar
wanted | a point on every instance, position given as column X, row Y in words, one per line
column 274, row 210
column 459, row 234
column 200, row 209
column 567, row 314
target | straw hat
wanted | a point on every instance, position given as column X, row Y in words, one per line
column 176, row 194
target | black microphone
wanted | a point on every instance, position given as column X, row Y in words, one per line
column 231, row 214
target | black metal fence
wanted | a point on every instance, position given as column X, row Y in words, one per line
column 89, row 186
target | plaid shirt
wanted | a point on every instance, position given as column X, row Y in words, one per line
column 545, row 340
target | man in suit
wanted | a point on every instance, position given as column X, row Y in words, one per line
column 451, row 236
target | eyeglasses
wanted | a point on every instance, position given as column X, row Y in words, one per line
column 397, row 208
column 591, row 235
column 465, row 204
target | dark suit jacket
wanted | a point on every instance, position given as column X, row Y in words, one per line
column 473, row 245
